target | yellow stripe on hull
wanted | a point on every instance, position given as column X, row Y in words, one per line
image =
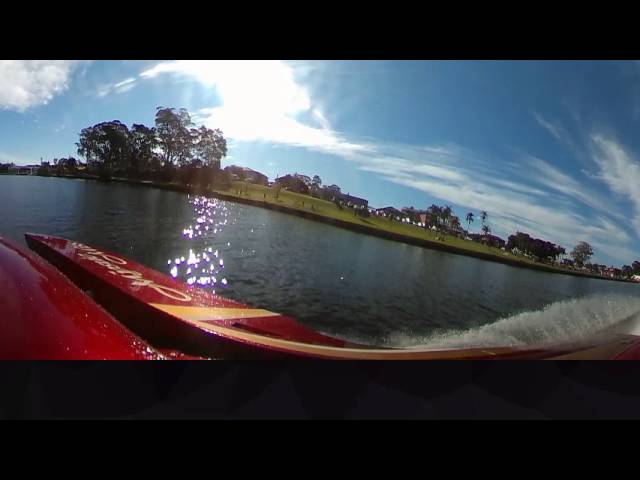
column 195, row 314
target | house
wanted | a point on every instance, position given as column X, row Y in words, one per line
column 635, row 278
column 252, row 176
column 489, row 239
column 330, row 192
column 246, row 174
column 333, row 189
column 354, row 201
column 293, row 184
column 411, row 214
column 389, row 212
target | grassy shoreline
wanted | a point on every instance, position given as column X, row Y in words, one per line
column 326, row 212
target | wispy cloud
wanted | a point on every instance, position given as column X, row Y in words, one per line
column 561, row 183
column 26, row 84
column 557, row 131
column 119, row 87
column 261, row 101
column 620, row 171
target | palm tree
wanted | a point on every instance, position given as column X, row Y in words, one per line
column 486, row 229
column 483, row 216
column 469, row 219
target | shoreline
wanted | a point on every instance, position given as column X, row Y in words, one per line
column 356, row 227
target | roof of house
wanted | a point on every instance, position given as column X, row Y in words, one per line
column 490, row 236
column 351, row 198
column 244, row 169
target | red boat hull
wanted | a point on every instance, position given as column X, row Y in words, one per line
column 44, row 316
column 171, row 314
column 175, row 317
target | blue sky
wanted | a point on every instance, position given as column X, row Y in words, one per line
column 549, row 148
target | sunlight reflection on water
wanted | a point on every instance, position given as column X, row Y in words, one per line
column 203, row 265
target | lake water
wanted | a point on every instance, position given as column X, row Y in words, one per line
column 339, row 282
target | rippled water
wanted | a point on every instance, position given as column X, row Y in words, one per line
column 337, row 281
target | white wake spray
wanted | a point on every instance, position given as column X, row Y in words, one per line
column 563, row 321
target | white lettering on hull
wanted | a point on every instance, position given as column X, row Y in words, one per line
column 114, row 265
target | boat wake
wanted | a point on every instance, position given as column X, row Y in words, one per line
column 563, row 321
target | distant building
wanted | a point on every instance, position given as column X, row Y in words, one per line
column 246, row 174
column 635, row 278
column 489, row 239
column 355, row 201
column 292, row 184
column 257, row 177
column 333, row 189
column 421, row 217
column 329, row 193
column 27, row 169
column 389, row 212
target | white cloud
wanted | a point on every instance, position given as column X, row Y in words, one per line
column 546, row 174
column 119, row 87
column 30, row 83
column 557, row 130
column 125, row 82
column 619, row 171
column 408, row 169
column 261, row 101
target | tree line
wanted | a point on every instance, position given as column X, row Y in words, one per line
column 172, row 145
column 539, row 248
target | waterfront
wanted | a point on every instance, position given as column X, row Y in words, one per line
column 340, row 282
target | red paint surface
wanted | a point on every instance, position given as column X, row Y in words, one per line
column 44, row 316
column 631, row 353
column 128, row 295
